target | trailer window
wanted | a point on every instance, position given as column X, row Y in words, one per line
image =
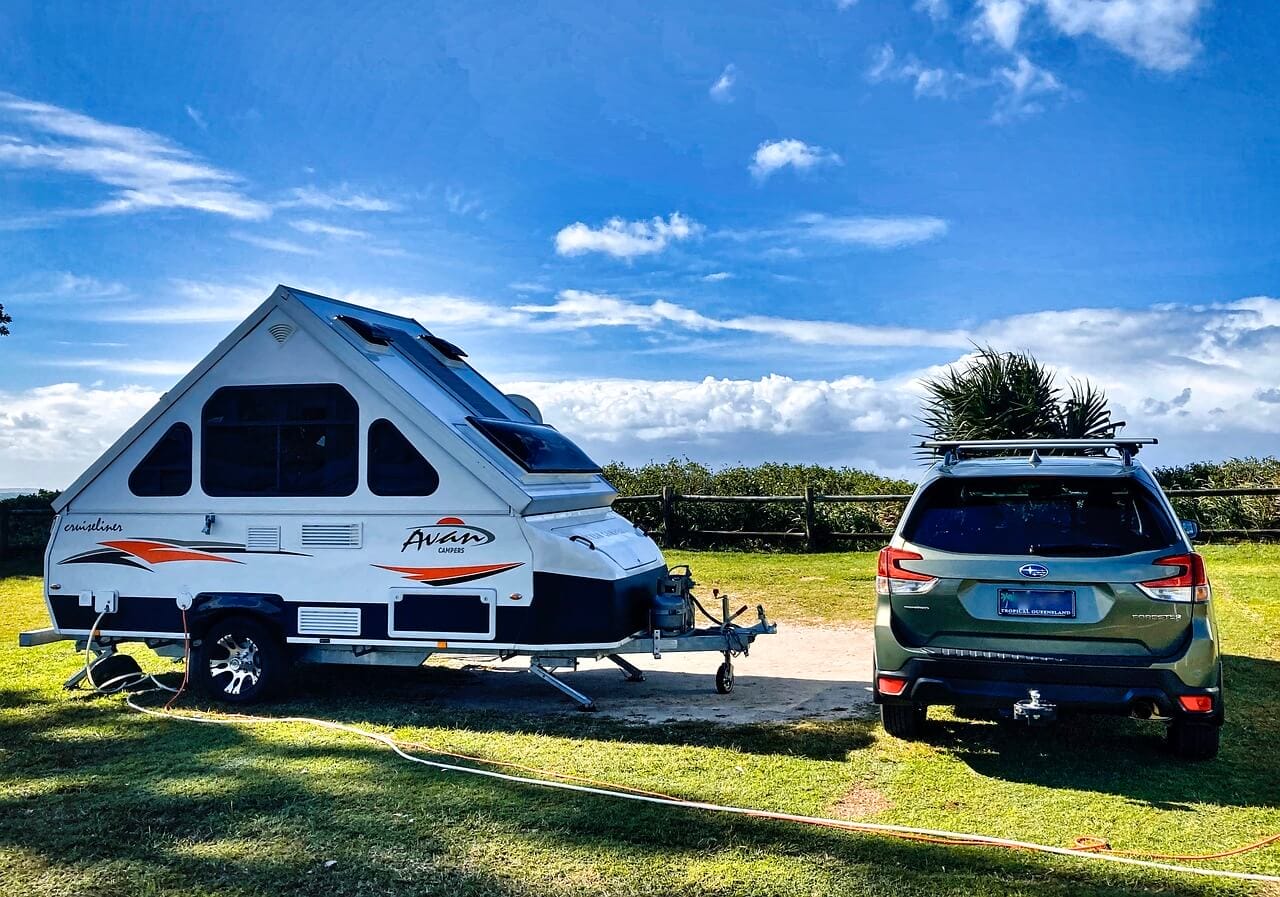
column 395, row 466
column 280, row 440
column 537, row 448
column 166, row 470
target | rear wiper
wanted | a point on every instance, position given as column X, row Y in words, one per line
column 1075, row 548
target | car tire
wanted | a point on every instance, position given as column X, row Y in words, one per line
column 239, row 660
column 1194, row 741
column 905, row 721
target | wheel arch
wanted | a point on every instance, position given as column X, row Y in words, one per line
column 209, row 607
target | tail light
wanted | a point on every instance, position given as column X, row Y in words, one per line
column 1190, row 583
column 890, row 685
column 892, row 579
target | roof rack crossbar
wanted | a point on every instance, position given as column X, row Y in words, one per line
column 951, row 450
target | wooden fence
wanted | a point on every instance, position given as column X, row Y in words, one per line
column 24, row 531
column 674, row 531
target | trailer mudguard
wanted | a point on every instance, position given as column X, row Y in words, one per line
column 209, row 606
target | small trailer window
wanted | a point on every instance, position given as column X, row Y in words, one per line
column 537, row 448
column 166, row 470
column 395, row 466
column 280, row 440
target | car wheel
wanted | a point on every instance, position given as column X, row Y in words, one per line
column 1194, row 741
column 904, row 721
column 239, row 661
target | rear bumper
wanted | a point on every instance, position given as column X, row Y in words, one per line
column 991, row 685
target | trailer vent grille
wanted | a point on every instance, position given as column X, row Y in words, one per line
column 262, row 538
column 331, row 535
column 329, row 621
column 280, row 332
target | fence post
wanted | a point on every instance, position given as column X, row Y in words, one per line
column 4, row 532
column 668, row 517
column 810, row 536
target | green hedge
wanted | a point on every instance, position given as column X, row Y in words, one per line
column 1249, row 512
column 28, row 533
column 691, row 478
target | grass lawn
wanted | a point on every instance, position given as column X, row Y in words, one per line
column 94, row 797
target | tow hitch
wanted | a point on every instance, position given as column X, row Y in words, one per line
column 1034, row 712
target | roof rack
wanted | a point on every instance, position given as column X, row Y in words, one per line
column 952, row 449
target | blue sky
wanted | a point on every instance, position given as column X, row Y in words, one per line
column 735, row 232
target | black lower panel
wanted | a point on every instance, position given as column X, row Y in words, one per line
column 577, row 610
column 564, row 610
column 136, row 614
column 440, row 611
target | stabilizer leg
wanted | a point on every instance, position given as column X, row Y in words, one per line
column 634, row 673
column 583, row 702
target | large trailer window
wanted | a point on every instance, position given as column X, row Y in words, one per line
column 166, row 470
column 1040, row 515
column 395, row 466
column 537, row 448
column 280, row 440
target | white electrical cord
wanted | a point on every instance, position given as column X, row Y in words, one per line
column 871, row 827
column 125, row 680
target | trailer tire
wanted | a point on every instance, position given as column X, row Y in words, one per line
column 239, row 660
column 724, row 679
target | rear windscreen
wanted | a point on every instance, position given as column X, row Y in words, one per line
column 537, row 448
column 1040, row 515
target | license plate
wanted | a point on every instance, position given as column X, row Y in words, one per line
column 1036, row 602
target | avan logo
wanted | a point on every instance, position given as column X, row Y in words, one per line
column 1034, row 571
column 448, row 535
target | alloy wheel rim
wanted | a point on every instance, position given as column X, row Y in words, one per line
column 241, row 664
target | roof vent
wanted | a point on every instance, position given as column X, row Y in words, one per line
column 280, row 332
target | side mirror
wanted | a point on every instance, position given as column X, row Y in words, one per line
column 1191, row 528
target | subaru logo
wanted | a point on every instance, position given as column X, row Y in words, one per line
column 1034, row 571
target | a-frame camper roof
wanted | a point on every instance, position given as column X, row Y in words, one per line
column 352, row 333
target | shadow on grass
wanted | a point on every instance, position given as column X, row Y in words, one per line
column 98, row 797
column 416, row 697
column 1130, row 759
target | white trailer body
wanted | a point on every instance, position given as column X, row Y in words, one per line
column 345, row 478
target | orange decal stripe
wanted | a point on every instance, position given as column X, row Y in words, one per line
column 161, row 553
column 449, row 575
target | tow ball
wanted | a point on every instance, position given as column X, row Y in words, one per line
column 1034, row 712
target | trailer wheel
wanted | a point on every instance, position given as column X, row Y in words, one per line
column 724, row 678
column 239, row 661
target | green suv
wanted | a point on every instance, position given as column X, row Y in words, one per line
column 1034, row 583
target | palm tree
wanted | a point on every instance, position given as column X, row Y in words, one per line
column 1010, row 395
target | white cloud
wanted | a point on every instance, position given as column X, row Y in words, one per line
column 618, row 412
column 1001, row 20
column 877, row 233
column 194, row 302
column 194, row 114
column 927, row 81
column 579, row 309
column 722, row 90
column 273, row 244
column 63, row 285
column 717, row 276
column 142, row 170
column 626, row 239
column 148, row 366
column 938, row 10
column 307, row 226
column 1026, row 84
column 48, row 434
column 460, row 202
column 771, row 156
column 1157, row 33
column 341, row 197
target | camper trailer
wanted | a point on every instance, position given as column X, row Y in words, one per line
column 335, row 484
